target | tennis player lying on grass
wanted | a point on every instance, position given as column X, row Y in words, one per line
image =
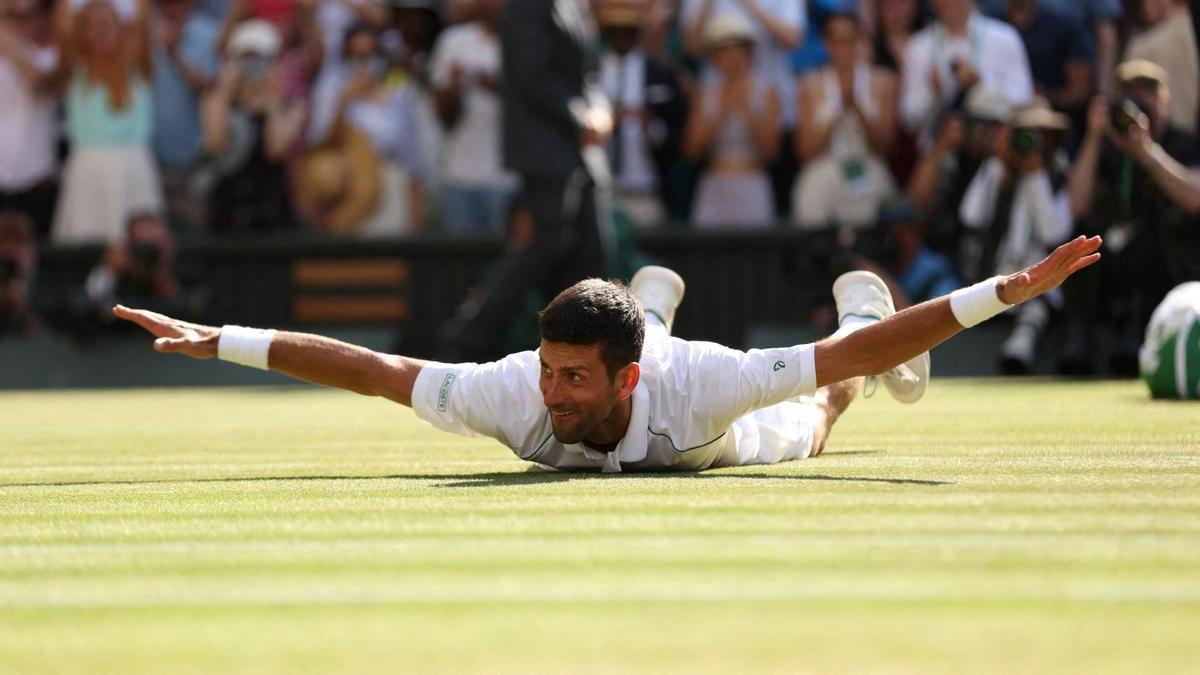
column 609, row 388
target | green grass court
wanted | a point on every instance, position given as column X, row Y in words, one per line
column 994, row 527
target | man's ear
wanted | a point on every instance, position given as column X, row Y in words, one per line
column 627, row 380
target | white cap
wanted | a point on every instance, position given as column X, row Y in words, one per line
column 727, row 29
column 254, row 36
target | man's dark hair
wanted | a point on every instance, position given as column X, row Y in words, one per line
column 595, row 311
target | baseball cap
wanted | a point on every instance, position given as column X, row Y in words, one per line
column 1142, row 69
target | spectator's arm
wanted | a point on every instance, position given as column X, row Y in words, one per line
column 923, row 185
column 285, row 124
column 784, row 30
column 239, row 10
column 214, row 110
column 1082, row 182
column 64, row 22
column 529, row 62
column 1106, row 55
column 813, row 138
column 693, row 25
column 1180, row 183
column 703, row 124
column 13, row 49
column 881, row 129
column 764, row 125
column 140, row 45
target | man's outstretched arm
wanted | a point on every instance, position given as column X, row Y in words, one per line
column 878, row 348
column 307, row 357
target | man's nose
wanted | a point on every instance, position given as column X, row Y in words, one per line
column 551, row 394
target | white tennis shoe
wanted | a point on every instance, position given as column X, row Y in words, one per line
column 863, row 295
column 660, row 290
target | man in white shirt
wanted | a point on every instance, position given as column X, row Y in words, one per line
column 608, row 388
column 1169, row 40
column 945, row 60
column 476, row 190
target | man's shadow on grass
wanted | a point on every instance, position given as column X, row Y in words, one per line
column 532, row 475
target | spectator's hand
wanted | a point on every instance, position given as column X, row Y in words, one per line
column 965, row 74
column 359, row 86
column 1137, row 142
column 952, row 136
column 1029, row 163
column 1051, row 272
column 231, row 74
column 846, row 82
column 597, row 125
column 194, row 340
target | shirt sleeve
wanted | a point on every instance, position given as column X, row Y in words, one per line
column 499, row 399
column 441, row 61
column 1016, row 80
column 1106, row 10
column 725, row 384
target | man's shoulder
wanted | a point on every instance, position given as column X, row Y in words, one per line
column 999, row 31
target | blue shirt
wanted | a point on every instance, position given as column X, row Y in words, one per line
column 92, row 121
column 1083, row 12
column 1051, row 41
column 177, row 130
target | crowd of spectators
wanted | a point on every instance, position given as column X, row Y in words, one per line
column 969, row 136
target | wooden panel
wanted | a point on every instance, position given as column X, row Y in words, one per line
column 349, row 309
column 362, row 273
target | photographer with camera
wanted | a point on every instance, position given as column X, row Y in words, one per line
column 18, row 254
column 1136, row 180
column 1016, row 209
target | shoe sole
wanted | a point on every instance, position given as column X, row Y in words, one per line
column 920, row 364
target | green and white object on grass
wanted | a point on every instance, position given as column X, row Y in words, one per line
column 1170, row 355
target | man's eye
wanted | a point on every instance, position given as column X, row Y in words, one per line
column 576, row 377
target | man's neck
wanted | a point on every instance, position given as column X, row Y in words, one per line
column 608, row 435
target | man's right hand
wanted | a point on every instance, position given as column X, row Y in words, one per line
column 190, row 339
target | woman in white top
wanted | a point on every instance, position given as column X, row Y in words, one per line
column 734, row 130
column 848, row 110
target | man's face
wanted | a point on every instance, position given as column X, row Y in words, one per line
column 841, row 41
column 953, row 12
column 576, row 389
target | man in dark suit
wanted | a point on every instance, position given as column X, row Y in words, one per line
column 555, row 121
column 649, row 110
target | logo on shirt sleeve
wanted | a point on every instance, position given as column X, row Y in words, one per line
column 444, row 392
column 779, row 365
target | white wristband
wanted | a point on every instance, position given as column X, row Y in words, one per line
column 245, row 346
column 975, row 304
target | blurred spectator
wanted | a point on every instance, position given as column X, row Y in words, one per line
column 733, row 130
column 301, row 31
column 18, row 257
column 849, row 108
column 895, row 23
column 940, row 179
column 28, row 125
column 946, row 59
column 1015, row 211
column 776, row 28
column 354, row 91
column 250, row 127
column 555, row 122
column 110, row 171
column 921, row 273
column 1097, row 21
column 476, row 190
column 649, row 109
column 335, row 18
column 414, row 27
column 1170, row 41
column 139, row 270
column 1136, row 180
column 1058, row 56
column 185, row 65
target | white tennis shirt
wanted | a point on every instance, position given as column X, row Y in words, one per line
column 698, row 405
